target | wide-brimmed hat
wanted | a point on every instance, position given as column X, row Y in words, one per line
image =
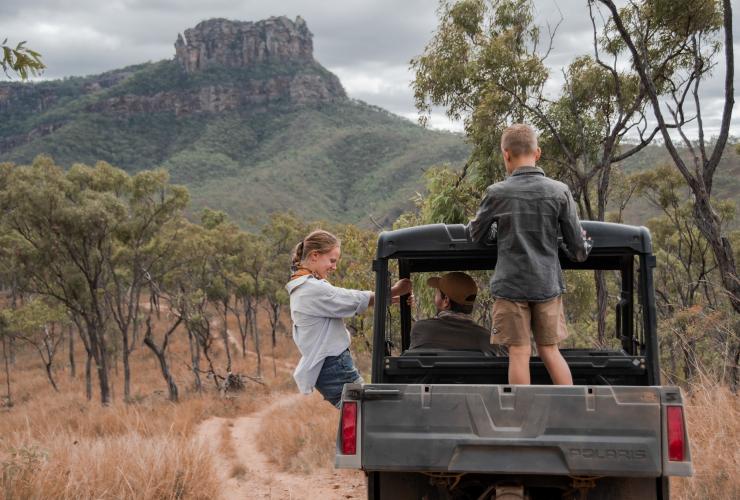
column 459, row 287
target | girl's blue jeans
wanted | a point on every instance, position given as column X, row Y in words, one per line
column 337, row 371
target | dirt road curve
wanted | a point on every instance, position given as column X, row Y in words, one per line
column 259, row 479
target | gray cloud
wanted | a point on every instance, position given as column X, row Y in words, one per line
column 368, row 43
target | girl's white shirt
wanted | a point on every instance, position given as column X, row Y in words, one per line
column 317, row 309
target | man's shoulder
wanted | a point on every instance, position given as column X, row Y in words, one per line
column 468, row 324
column 420, row 323
column 446, row 321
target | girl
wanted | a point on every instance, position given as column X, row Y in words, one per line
column 317, row 309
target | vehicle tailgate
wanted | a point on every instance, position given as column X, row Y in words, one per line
column 595, row 430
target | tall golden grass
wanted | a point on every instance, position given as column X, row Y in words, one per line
column 59, row 445
column 120, row 466
column 713, row 419
column 300, row 438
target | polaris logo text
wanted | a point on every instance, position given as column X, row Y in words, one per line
column 608, row 454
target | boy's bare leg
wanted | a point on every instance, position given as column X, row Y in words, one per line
column 555, row 363
column 519, row 364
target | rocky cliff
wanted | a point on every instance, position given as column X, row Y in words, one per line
column 236, row 65
column 236, row 44
column 219, row 66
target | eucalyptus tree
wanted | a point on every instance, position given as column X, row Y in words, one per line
column 142, row 249
column 5, row 335
column 40, row 325
column 12, row 278
column 185, row 290
column 688, row 36
column 686, row 280
column 224, row 242
column 282, row 232
column 254, row 258
column 65, row 223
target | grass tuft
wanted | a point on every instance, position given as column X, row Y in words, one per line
column 300, row 437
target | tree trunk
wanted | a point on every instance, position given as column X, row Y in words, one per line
column 101, row 355
column 274, row 363
column 126, row 369
column 50, row 376
column 735, row 372
column 195, row 360
column 225, row 337
column 242, row 326
column 709, row 226
column 105, row 396
column 161, row 354
column 257, row 341
column 8, row 396
column 602, row 293
column 688, row 366
column 275, row 321
column 602, row 296
column 248, row 323
column 88, row 376
column 72, row 368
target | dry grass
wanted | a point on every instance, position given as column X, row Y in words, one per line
column 123, row 466
column 713, row 419
column 59, row 445
column 300, row 438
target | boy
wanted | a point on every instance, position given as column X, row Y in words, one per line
column 526, row 211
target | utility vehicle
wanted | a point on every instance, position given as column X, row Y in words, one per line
column 447, row 425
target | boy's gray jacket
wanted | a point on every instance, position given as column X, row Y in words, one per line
column 523, row 215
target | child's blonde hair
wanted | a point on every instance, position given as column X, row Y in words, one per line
column 319, row 241
column 519, row 139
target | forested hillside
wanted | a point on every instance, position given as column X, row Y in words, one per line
column 251, row 135
column 246, row 133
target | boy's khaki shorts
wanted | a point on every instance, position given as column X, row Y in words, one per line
column 514, row 321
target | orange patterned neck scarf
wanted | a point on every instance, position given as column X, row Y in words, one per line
column 303, row 271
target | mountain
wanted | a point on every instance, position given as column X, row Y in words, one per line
column 251, row 123
column 244, row 116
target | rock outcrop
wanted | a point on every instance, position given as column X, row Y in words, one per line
column 223, row 66
column 237, row 44
column 255, row 94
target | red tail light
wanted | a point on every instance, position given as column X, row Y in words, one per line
column 349, row 428
column 675, row 433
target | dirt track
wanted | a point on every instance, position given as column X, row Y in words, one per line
column 260, row 479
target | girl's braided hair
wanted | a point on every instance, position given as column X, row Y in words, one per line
column 319, row 241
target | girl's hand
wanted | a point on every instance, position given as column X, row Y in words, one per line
column 411, row 301
column 401, row 287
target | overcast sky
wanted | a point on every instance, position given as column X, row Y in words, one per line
column 367, row 43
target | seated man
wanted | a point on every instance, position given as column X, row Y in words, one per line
column 453, row 327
